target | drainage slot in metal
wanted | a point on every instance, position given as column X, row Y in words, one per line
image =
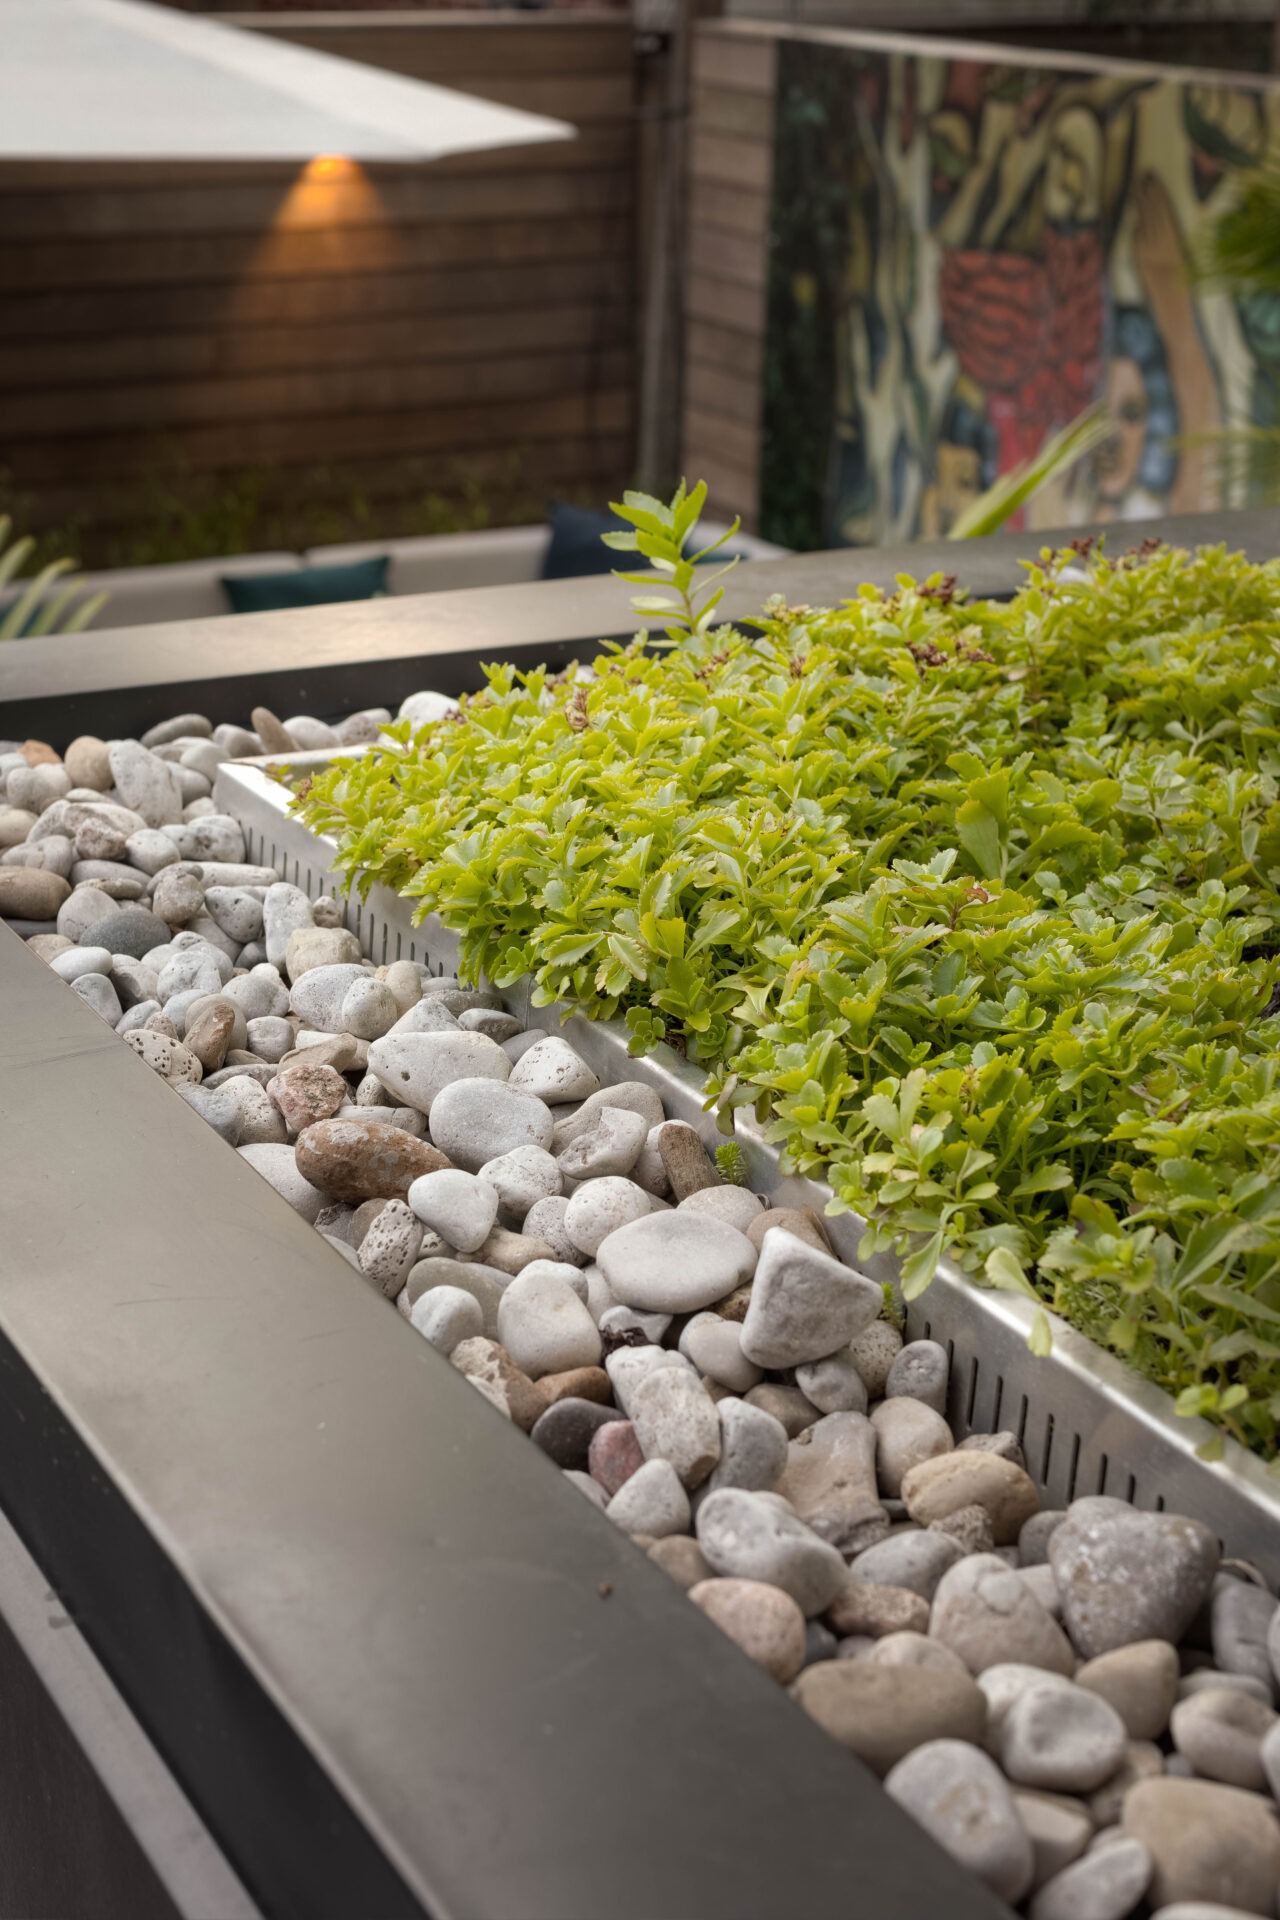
column 973, row 1394
column 1073, row 1468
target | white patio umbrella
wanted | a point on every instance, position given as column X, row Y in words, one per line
column 124, row 80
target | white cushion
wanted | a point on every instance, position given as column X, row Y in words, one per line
column 494, row 557
column 185, row 590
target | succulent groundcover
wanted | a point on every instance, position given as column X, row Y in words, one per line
column 975, row 904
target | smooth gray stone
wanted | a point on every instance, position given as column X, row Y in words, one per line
column 652, row 1501
column 956, row 1793
column 1104, row 1885
column 753, row 1448
column 611, row 1145
column 543, row 1324
column 182, row 726
column 565, row 1431
column 218, row 1108
column 920, row 1372
column 237, row 911
column 830, row 1480
column 819, row 1643
column 1033, row 1541
column 427, row 1016
column 1221, row 1732
column 284, row 910
column 485, row 1284
column 1241, row 1617
column 916, row 1561
column 675, row 1262
column 203, row 757
column 494, row 1025
column 446, row 1318
column 552, row 1071
column 260, row 993
column 1126, row 1575
column 804, row 1304
column 1062, row 1740
column 137, row 1016
column 460, row 1207
column 752, row 1536
column 150, row 850
column 318, row 995
column 675, row 1419
column 211, row 836
column 985, row 1612
column 147, row 785
column 98, row 992
column 457, row 998
column 263, row 1074
column 474, row 1120
column 130, row 932
column 833, row 1385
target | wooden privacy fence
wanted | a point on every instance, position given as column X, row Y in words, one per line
column 390, row 330
column 731, row 181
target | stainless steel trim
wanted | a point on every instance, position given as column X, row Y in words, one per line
column 1087, row 1422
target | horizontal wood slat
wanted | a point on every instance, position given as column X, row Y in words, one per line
column 721, row 59
column 238, row 259
column 742, row 210
column 220, row 356
column 44, row 220
column 728, row 256
column 724, row 393
column 442, row 46
column 723, row 347
column 314, row 301
column 157, row 406
column 266, row 443
column 732, row 492
column 748, row 116
column 734, row 443
column 736, row 162
column 725, row 303
column 590, row 464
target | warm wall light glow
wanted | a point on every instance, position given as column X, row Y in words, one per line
column 330, row 219
column 330, row 166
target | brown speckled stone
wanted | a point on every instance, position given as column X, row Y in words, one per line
column 364, row 1159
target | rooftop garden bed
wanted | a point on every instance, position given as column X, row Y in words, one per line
column 974, row 904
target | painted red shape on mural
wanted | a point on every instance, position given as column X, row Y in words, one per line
column 1028, row 329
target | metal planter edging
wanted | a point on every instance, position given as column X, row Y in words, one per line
column 1087, row 1422
column 397, row 1664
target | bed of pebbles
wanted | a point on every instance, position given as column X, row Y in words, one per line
column 1078, row 1705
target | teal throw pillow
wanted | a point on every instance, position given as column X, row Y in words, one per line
column 307, row 586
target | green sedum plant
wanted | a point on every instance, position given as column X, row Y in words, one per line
column 975, row 905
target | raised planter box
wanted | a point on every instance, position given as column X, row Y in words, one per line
column 394, row 1661
column 1087, row 1423
column 360, row 1628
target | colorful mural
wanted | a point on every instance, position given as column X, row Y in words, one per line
column 966, row 255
